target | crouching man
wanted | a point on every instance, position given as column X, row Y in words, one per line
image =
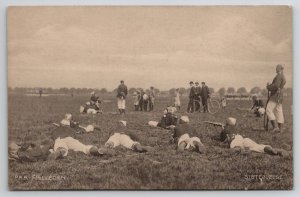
column 240, row 144
column 185, row 137
column 257, row 107
column 126, row 139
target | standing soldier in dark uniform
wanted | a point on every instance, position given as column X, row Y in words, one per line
column 204, row 96
column 151, row 98
column 190, row 107
column 274, row 106
column 197, row 96
column 121, row 95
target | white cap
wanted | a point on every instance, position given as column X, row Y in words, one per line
column 124, row 123
column 81, row 109
column 261, row 111
column 230, row 121
column 185, row 119
column 68, row 116
column 92, row 92
column 89, row 128
column 171, row 110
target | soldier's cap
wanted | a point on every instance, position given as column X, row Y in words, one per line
column 279, row 66
column 92, row 93
column 230, row 121
column 122, row 122
column 191, row 82
column 185, row 119
column 122, row 81
column 197, row 82
column 68, row 116
column 203, row 82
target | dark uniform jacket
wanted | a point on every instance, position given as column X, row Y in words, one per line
column 198, row 90
column 204, row 92
column 227, row 133
column 122, row 91
column 94, row 98
column 275, row 88
column 182, row 129
column 192, row 93
column 168, row 120
column 258, row 103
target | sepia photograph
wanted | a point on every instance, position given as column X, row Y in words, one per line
column 150, row 97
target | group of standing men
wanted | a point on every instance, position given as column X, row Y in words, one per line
column 141, row 99
column 197, row 94
column 201, row 93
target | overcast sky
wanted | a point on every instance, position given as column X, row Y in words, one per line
column 165, row 47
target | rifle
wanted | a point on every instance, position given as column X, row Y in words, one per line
column 215, row 124
column 266, row 119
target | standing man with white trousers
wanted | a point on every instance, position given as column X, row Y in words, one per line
column 121, row 95
column 274, row 106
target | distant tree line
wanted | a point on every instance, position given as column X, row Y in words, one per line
column 74, row 91
column 183, row 91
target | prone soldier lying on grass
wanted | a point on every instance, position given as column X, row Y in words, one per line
column 57, row 146
column 49, row 149
column 69, row 122
column 238, row 143
column 185, row 136
column 126, row 139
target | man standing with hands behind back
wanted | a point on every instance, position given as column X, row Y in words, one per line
column 121, row 95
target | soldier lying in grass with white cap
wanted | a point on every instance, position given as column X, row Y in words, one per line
column 69, row 122
column 49, row 149
column 185, row 137
column 239, row 143
column 29, row 150
column 126, row 139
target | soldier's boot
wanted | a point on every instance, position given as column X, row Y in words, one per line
column 271, row 151
column 139, row 148
column 275, row 126
column 200, row 147
column 181, row 147
column 120, row 110
column 59, row 153
column 280, row 126
column 95, row 151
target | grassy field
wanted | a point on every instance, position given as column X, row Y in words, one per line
column 164, row 168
